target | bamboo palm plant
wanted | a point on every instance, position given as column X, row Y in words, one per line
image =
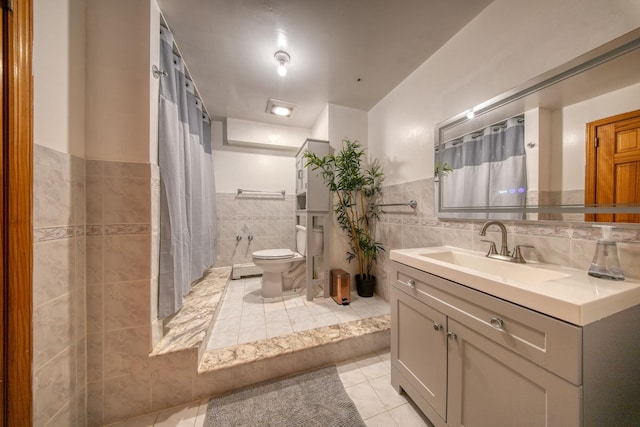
column 356, row 184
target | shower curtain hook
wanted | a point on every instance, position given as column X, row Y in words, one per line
column 157, row 72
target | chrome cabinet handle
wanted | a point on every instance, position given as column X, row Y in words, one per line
column 411, row 283
column 497, row 322
column 452, row 336
column 437, row 327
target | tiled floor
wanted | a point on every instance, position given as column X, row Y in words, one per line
column 366, row 380
column 244, row 317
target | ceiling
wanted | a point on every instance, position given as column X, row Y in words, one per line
column 345, row 52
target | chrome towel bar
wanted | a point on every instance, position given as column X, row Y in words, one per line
column 411, row 203
column 276, row 193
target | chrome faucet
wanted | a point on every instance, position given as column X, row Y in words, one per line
column 504, row 249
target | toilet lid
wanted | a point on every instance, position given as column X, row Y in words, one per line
column 273, row 254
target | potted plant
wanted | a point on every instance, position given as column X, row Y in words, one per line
column 356, row 185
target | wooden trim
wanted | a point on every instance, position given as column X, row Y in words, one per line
column 3, row 249
column 17, row 200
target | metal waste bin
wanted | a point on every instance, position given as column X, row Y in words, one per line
column 340, row 291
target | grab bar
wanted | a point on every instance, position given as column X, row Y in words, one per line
column 261, row 192
column 412, row 203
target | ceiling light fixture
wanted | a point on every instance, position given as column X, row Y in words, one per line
column 280, row 108
column 283, row 59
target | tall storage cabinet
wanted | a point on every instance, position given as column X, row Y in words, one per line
column 313, row 211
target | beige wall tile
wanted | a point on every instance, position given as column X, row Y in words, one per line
column 95, row 357
column 95, row 403
column 53, row 386
column 52, row 202
column 127, row 258
column 126, row 304
column 127, row 200
column 172, row 377
column 94, row 199
column 53, row 269
column 94, row 259
column 126, row 396
column 53, row 329
column 126, row 352
column 95, row 308
column 130, row 169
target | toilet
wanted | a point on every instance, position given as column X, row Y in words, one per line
column 275, row 262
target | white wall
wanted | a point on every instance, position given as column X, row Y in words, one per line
column 250, row 167
column 154, row 84
column 251, row 171
column 247, row 131
column 118, row 88
column 320, row 129
column 510, row 42
column 59, row 50
column 570, row 122
column 345, row 122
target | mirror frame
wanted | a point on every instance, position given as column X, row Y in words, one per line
column 506, row 105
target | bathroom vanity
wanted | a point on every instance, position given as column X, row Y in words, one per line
column 482, row 342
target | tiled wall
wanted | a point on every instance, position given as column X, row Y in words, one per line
column 271, row 222
column 59, row 357
column 119, row 277
column 565, row 243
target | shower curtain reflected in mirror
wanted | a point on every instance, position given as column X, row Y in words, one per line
column 187, row 187
column 488, row 169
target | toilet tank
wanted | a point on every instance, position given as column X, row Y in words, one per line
column 301, row 240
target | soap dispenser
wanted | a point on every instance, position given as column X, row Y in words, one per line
column 605, row 263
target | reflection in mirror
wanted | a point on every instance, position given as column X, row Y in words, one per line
column 557, row 108
column 490, row 164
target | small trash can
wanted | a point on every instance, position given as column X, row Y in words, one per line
column 340, row 291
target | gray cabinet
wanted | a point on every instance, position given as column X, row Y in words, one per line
column 467, row 358
column 419, row 349
column 312, row 211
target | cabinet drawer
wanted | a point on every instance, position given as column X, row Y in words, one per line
column 548, row 342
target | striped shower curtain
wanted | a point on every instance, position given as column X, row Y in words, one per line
column 187, row 187
column 489, row 170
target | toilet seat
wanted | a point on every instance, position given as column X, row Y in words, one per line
column 273, row 254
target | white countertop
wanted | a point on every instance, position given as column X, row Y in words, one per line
column 577, row 298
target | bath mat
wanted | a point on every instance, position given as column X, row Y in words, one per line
column 311, row 399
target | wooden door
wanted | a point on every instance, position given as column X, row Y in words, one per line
column 613, row 165
column 16, row 259
column 490, row 386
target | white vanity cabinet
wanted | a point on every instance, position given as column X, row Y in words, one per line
column 467, row 358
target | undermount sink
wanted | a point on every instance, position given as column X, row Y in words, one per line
column 507, row 270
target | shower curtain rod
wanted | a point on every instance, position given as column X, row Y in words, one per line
column 157, row 73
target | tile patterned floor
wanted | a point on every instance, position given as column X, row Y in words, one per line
column 243, row 317
column 366, row 380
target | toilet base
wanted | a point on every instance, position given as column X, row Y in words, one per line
column 271, row 285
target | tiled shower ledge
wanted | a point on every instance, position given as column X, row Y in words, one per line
column 188, row 330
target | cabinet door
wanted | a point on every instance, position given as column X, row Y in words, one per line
column 419, row 348
column 300, row 173
column 490, row 386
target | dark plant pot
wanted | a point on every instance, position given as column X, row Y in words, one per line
column 365, row 285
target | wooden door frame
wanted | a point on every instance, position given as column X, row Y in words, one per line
column 592, row 159
column 16, row 255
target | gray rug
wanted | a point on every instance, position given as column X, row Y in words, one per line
column 315, row 398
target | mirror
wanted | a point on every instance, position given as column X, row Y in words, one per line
column 552, row 170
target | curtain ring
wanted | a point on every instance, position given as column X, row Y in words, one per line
column 157, row 72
